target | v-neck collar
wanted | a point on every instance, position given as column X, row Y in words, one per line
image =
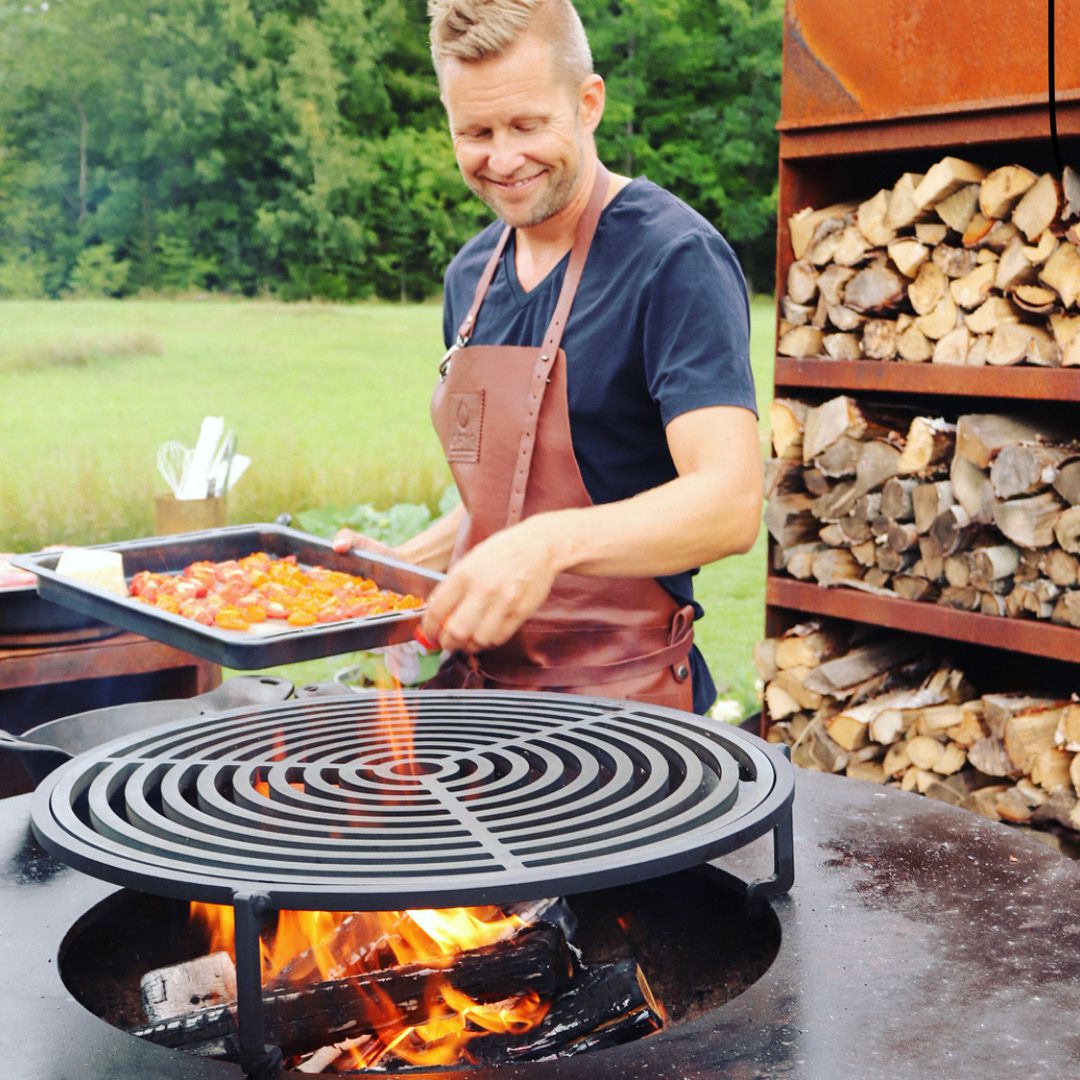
column 555, row 274
column 509, row 268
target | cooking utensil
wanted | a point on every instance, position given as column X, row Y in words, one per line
column 173, row 461
column 197, row 474
column 235, row 649
column 44, row 747
column 219, row 467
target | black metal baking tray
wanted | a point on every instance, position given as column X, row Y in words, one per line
column 242, row 650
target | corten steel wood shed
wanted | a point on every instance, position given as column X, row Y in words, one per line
column 874, row 90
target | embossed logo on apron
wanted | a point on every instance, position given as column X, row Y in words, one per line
column 467, row 410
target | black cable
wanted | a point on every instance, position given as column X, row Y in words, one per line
column 1053, row 101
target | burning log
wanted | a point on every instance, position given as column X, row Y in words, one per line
column 609, row 1005
column 299, row 1020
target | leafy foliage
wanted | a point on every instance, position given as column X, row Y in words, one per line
column 299, row 147
column 393, row 526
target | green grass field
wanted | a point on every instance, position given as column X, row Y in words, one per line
column 329, row 401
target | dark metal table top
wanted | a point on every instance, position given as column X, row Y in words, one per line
column 918, row 941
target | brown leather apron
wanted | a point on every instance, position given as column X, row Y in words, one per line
column 501, row 414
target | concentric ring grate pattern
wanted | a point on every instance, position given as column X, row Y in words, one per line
column 502, row 796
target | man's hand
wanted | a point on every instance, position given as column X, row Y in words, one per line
column 491, row 591
column 346, row 540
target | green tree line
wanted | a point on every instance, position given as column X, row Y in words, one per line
column 298, row 147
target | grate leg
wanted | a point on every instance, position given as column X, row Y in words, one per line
column 783, row 858
column 256, row 1058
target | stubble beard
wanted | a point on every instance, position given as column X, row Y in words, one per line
column 551, row 201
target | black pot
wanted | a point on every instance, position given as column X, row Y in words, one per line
column 43, row 748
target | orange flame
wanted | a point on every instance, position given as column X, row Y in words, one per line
column 308, row 946
column 395, row 723
column 311, row 945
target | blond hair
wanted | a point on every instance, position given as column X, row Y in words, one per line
column 473, row 30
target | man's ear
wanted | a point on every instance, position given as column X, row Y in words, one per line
column 591, row 102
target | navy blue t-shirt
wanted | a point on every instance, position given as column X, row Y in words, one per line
column 660, row 326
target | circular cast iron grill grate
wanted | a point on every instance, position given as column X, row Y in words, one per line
column 503, row 796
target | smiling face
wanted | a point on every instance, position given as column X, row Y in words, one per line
column 522, row 131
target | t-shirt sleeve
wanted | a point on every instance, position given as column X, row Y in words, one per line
column 696, row 329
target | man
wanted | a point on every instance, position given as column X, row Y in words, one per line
column 596, row 404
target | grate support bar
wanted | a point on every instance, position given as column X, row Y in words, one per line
column 258, row 1060
column 783, row 838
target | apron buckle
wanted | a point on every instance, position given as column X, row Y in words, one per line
column 444, row 363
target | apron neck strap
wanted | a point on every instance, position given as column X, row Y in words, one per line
column 549, row 351
column 583, row 235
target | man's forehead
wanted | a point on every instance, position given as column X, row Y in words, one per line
column 528, row 63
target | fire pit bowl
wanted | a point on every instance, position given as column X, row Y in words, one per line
column 918, row 940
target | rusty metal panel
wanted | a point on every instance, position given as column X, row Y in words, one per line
column 854, row 60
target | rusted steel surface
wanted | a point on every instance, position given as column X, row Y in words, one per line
column 1019, row 635
column 877, row 376
column 850, row 60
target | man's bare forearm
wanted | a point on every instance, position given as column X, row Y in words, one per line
column 434, row 546
column 690, row 521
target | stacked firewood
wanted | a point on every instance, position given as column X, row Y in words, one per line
column 957, row 266
column 980, row 515
column 880, row 708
